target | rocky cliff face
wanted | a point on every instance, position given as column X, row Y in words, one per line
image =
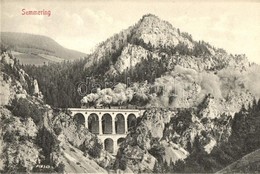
column 151, row 35
column 131, row 55
column 16, row 83
column 17, row 141
column 157, row 32
column 150, row 30
column 167, row 136
column 34, row 137
column 135, row 151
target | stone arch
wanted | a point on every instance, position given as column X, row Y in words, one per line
column 120, row 124
column 109, row 145
column 93, row 123
column 131, row 121
column 107, row 124
column 120, row 140
column 79, row 118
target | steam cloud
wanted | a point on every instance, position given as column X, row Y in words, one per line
column 189, row 87
column 121, row 94
column 181, row 87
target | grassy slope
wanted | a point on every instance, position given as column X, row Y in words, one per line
column 76, row 162
column 33, row 45
column 245, row 164
column 31, row 59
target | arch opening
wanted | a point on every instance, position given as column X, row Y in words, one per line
column 109, row 145
column 79, row 119
column 107, row 124
column 120, row 124
column 131, row 121
column 93, row 123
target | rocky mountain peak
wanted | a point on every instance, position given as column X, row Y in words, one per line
column 150, row 18
column 149, row 36
column 152, row 30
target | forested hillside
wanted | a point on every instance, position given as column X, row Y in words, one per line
column 59, row 81
column 36, row 138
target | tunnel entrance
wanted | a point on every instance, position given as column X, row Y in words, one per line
column 120, row 124
column 93, row 123
column 107, row 124
column 108, row 143
column 131, row 121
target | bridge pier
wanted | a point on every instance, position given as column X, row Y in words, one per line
column 126, row 127
column 113, row 126
column 100, row 125
column 86, row 121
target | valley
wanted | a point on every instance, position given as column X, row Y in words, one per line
column 36, row 50
column 149, row 99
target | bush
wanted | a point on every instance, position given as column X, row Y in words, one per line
column 46, row 141
column 158, row 151
column 121, row 160
column 95, row 150
column 178, row 166
column 25, row 109
column 9, row 137
column 91, row 147
column 57, row 130
column 60, row 168
column 21, row 108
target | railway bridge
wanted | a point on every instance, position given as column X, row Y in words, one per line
column 110, row 125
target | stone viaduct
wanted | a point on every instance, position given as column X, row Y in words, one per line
column 110, row 125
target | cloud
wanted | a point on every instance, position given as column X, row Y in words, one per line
column 78, row 20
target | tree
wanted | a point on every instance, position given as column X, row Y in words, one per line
column 60, row 168
column 178, row 30
column 121, row 160
column 21, row 108
column 178, row 166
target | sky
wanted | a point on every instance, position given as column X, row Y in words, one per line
column 81, row 25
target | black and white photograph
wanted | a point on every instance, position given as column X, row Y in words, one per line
column 130, row 86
